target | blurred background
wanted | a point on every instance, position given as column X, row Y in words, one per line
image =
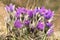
column 49, row 4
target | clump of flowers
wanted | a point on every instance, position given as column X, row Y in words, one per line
column 30, row 23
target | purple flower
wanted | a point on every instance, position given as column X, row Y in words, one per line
column 10, row 8
column 26, row 22
column 23, row 10
column 18, row 24
column 48, row 24
column 50, row 31
column 49, row 14
column 35, row 11
column 40, row 25
column 30, row 13
column 7, row 9
column 42, row 10
column 19, row 11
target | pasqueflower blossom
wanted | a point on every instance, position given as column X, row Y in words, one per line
column 19, row 11
column 35, row 11
column 30, row 13
column 7, row 9
column 10, row 8
column 26, row 22
column 50, row 31
column 48, row 24
column 42, row 10
column 18, row 24
column 40, row 25
column 49, row 14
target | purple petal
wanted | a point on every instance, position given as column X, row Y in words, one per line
column 11, row 6
column 48, row 24
column 50, row 31
column 30, row 13
column 40, row 25
column 23, row 10
column 35, row 11
column 42, row 10
column 18, row 24
column 26, row 22
column 17, row 13
column 7, row 8
column 48, row 15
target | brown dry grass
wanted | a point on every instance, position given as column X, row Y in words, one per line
column 3, row 29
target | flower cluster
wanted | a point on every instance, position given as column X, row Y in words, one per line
column 32, row 18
